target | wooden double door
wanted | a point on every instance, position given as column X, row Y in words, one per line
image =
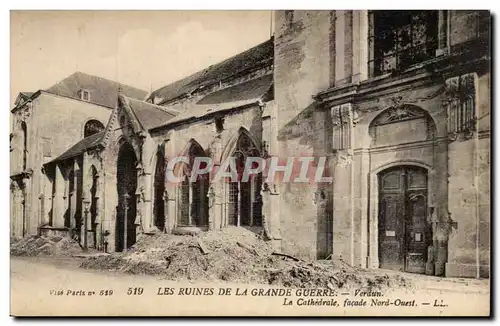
column 403, row 231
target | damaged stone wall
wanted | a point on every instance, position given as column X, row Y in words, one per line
column 302, row 59
column 213, row 143
column 469, row 189
column 324, row 55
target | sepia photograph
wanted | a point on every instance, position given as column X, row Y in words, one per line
column 250, row 163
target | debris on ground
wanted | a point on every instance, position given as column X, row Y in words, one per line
column 36, row 245
column 234, row 255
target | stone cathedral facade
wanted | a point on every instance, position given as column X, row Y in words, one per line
column 398, row 102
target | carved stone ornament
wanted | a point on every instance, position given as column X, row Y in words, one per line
column 344, row 158
column 459, row 87
column 395, row 101
column 342, row 114
column 399, row 113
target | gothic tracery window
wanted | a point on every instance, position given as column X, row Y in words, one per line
column 193, row 200
column 244, row 202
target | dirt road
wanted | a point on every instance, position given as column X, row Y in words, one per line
column 51, row 287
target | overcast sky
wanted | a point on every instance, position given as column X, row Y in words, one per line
column 140, row 48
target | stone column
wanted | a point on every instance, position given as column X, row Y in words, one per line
column 73, row 199
column 217, row 211
column 360, row 45
column 323, row 224
column 58, row 199
column 166, row 199
column 171, row 211
column 349, row 56
column 339, row 46
column 190, row 203
column 361, row 203
column 94, row 226
column 265, row 194
column 172, row 189
column 31, row 221
column 46, row 202
column 343, row 184
column 16, row 210
column 443, row 31
column 147, row 204
column 212, row 208
column 13, row 208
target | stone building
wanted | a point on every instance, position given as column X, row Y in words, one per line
column 44, row 124
column 403, row 99
column 397, row 102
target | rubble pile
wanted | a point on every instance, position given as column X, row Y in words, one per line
column 233, row 255
column 36, row 245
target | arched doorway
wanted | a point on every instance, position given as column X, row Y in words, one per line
column 403, row 231
column 193, row 200
column 126, row 184
column 244, row 202
column 159, row 191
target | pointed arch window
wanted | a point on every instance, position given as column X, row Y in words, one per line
column 244, row 202
column 193, row 200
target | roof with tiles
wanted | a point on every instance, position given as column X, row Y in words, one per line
column 102, row 91
column 236, row 96
column 81, row 146
column 149, row 115
column 238, row 64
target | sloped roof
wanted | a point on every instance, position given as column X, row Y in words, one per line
column 149, row 115
column 22, row 97
column 81, row 146
column 26, row 94
column 240, row 63
column 236, row 96
column 245, row 91
column 102, row 91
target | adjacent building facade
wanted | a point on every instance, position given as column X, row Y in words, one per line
column 396, row 102
column 44, row 124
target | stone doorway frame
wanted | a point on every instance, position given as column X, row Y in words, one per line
column 373, row 201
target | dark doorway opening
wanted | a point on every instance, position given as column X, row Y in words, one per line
column 126, row 183
column 159, row 191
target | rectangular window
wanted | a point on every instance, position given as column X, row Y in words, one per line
column 461, row 103
column 399, row 39
column 84, row 95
